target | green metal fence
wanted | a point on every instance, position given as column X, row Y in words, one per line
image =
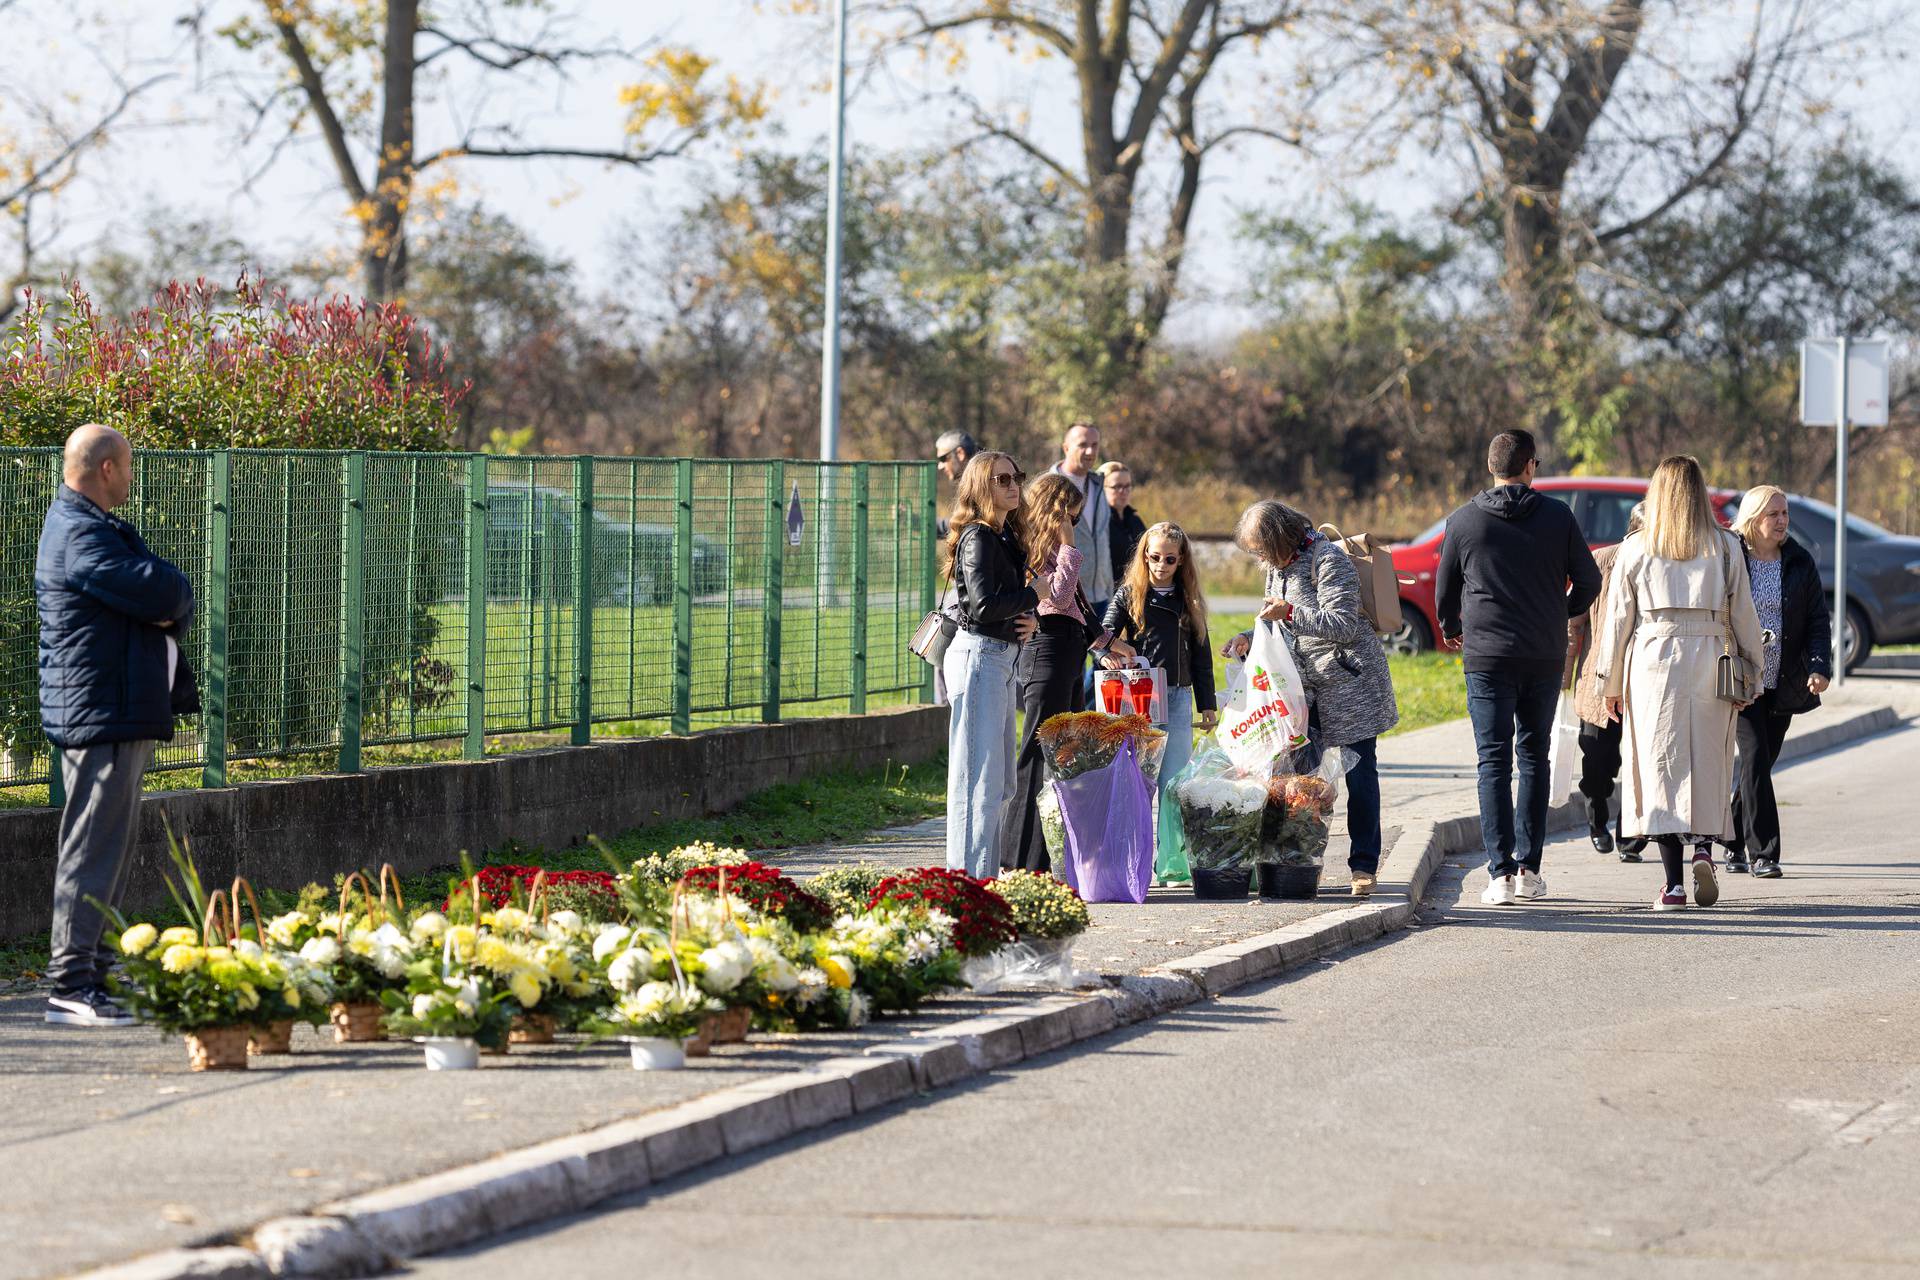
column 350, row 599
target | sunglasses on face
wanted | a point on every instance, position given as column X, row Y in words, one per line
column 1172, row 559
column 1013, row 481
column 942, row 457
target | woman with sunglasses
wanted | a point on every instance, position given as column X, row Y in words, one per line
column 1051, row 663
column 985, row 554
column 1159, row 609
column 1313, row 588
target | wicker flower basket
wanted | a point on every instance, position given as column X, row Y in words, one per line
column 275, row 1037
column 532, row 1028
column 730, row 1026
column 217, row 1049
column 356, row 1023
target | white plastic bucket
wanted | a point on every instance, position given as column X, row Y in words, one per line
column 450, row 1053
column 656, row 1053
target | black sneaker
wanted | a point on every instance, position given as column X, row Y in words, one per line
column 1766, row 869
column 87, row 1007
column 1736, row 863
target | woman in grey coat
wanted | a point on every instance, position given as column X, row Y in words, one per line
column 1313, row 588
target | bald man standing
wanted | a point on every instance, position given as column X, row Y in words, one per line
column 110, row 612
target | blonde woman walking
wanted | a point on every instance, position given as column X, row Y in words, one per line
column 1680, row 598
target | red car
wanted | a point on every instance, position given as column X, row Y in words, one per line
column 1600, row 504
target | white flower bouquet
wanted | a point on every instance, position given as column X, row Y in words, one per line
column 1220, row 813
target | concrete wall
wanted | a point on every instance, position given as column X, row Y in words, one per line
column 287, row 833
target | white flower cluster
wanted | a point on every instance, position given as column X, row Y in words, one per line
column 1235, row 795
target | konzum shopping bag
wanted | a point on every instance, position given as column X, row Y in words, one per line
column 1266, row 708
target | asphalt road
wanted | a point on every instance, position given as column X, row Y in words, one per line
column 1575, row 1087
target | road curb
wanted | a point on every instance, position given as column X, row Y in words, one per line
column 371, row 1233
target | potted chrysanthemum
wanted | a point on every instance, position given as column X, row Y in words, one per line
column 194, row 983
column 656, row 1019
column 453, row 1007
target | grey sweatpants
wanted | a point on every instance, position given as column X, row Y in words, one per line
column 96, row 841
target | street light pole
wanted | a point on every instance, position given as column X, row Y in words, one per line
column 824, row 585
column 836, row 181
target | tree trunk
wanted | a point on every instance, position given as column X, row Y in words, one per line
column 383, row 253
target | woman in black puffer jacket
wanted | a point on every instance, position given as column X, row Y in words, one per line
column 1798, row 665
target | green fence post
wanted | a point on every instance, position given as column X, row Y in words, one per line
column 770, row 597
column 929, row 567
column 857, row 677
column 476, row 743
column 683, row 595
column 353, row 600
column 213, row 701
column 583, row 602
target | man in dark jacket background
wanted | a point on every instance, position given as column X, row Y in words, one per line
column 110, row 614
column 1503, row 594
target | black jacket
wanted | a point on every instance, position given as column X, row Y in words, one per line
column 1806, row 630
column 991, row 575
column 1504, row 569
column 1167, row 641
column 1123, row 535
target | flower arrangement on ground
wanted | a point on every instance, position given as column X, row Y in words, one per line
column 1042, row 906
column 590, row 894
column 764, row 890
column 1299, row 813
column 447, row 998
column 848, row 888
column 889, row 959
column 979, row 920
column 667, row 868
column 1220, row 813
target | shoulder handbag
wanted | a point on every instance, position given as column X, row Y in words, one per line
column 935, row 632
column 1736, row 679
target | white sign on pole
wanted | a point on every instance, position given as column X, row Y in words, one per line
column 1868, row 382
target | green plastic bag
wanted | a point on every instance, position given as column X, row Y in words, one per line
column 1170, row 849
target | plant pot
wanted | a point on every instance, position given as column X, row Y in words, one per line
column 656, row 1053
column 356, row 1023
column 1222, row 883
column 275, row 1037
column 217, row 1049
column 531, row 1028
column 1278, row 880
column 450, row 1053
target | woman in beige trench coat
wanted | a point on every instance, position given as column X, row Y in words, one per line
column 1680, row 598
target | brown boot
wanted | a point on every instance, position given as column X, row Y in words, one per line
column 1363, row 884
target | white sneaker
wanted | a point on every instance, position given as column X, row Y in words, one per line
column 1532, row 885
column 1499, row 892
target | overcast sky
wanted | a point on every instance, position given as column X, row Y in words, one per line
column 181, row 151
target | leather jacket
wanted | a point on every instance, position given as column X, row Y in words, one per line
column 990, row 574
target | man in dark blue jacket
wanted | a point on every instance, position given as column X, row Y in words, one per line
column 1503, row 591
column 110, row 615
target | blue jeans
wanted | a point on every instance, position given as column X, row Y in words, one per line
column 1363, row 795
column 980, row 684
column 1512, row 715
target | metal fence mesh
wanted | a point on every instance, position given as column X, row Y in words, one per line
column 674, row 580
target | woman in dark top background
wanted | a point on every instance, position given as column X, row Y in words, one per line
column 1798, row 636
column 1127, row 528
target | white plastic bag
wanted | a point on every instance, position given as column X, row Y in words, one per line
column 1563, row 751
column 1035, row 964
column 1265, row 712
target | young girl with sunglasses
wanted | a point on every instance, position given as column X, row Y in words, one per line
column 1159, row 609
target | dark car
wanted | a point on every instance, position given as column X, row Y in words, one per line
column 1883, row 575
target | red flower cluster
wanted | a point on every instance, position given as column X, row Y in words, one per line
column 982, row 920
column 765, row 890
column 501, row 885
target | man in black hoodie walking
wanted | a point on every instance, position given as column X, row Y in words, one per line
column 1503, row 595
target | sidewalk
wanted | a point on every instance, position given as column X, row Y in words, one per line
column 113, row 1149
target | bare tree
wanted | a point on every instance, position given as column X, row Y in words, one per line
column 1589, row 125
column 42, row 158
column 1145, row 75
column 360, row 75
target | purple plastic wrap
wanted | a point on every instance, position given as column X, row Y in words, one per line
column 1107, row 815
